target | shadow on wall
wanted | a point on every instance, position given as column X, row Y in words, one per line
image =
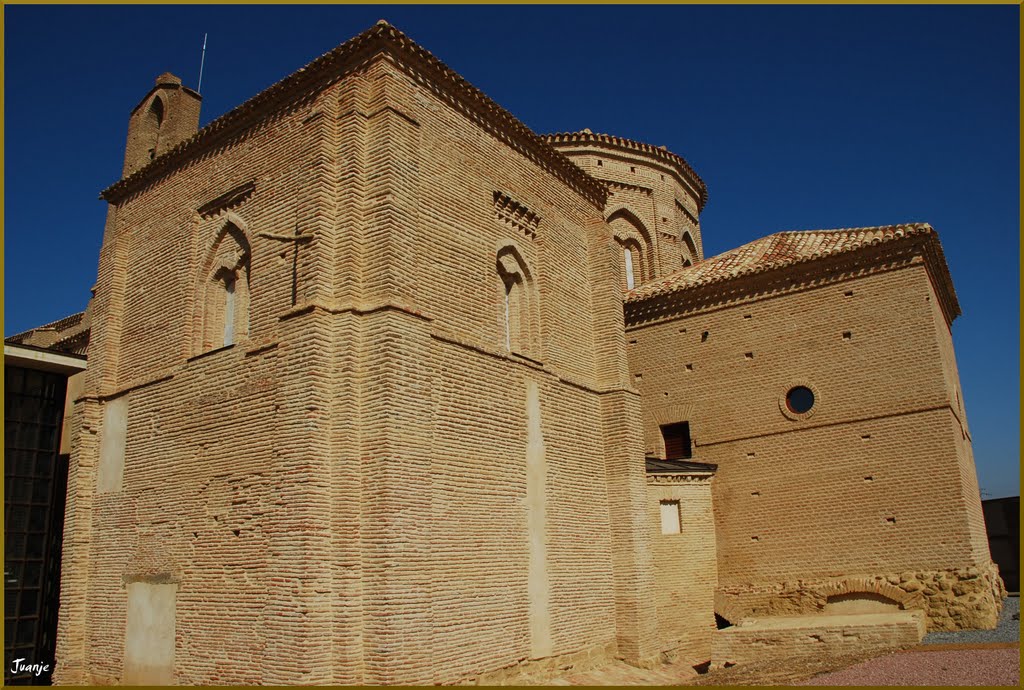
column 859, row 602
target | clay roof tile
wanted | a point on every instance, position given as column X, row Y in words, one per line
column 789, row 248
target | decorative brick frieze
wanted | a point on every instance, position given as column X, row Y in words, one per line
column 517, row 216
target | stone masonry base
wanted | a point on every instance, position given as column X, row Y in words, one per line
column 955, row 599
column 531, row 671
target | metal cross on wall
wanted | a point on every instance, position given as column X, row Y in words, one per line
column 298, row 238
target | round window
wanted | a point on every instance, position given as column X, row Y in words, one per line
column 800, row 399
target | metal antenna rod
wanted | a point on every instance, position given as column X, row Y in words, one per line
column 202, row 61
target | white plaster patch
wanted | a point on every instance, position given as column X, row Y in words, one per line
column 536, row 525
column 115, row 430
column 149, row 634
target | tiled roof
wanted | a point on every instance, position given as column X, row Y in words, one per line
column 776, row 251
column 675, row 160
column 326, row 69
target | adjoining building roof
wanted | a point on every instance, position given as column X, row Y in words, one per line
column 659, row 466
column 327, row 69
column 674, row 160
column 784, row 249
column 69, row 335
column 58, row 325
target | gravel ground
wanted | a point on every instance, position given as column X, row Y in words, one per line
column 1008, row 629
column 934, row 667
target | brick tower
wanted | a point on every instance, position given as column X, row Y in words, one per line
column 167, row 116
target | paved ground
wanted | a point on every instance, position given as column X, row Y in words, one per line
column 931, row 666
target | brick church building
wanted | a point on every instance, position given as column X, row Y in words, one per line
column 383, row 387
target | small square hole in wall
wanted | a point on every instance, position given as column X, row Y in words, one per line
column 662, row 178
column 704, row 337
column 865, row 437
column 682, row 330
column 848, row 293
column 637, row 377
column 869, row 478
column 750, row 455
column 689, row 367
column 600, row 163
column 748, row 355
column 755, row 538
column 632, row 341
column 632, row 168
column 664, row 219
column 755, row 493
column 890, row 520
column 666, row 394
column 847, row 335
column 746, row 316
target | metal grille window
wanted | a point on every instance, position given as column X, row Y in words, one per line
column 35, row 483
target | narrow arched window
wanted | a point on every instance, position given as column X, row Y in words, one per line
column 628, row 256
column 156, row 112
column 229, row 309
column 636, row 247
column 154, row 120
column 520, row 323
column 513, row 312
column 631, row 266
column 224, row 302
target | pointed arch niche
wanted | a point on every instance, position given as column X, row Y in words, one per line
column 520, row 307
column 222, row 290
column 636, row 252
column 154, row 121
column 690, row 254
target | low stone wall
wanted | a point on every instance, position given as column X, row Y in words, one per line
column 758, row 639
column 955, row 599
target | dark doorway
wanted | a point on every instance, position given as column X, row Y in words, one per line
column 677, row 441
column 1002, row 521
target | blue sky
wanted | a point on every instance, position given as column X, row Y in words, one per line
column 795, row 117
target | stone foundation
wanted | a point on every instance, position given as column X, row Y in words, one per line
column 817, row 635
column 533, row 671
column 957, row 599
